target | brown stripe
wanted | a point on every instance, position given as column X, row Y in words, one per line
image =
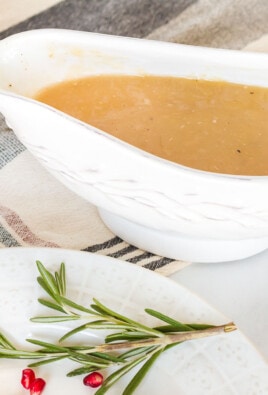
column 157, row 264
column 123, row 251
column 19, row 228
column 105, row 245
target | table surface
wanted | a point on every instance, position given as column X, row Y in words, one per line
column 237, row 289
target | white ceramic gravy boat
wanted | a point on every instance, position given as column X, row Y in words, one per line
column 157, row 205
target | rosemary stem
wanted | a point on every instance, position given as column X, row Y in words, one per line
column 167, row 339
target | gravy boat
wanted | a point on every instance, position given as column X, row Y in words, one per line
column 157, row 205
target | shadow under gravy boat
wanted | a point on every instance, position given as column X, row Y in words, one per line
column 157, row 205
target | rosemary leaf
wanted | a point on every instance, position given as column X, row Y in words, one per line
column 100, row 324
column 48, row 278
column 73, row 332
column 126, row 336
column 58, row 283
column 89, row 360
column 176, row 324
column 46, row 361
column 51, row 305
column 198, row 327
column 79, row 371
column 43, row 285
column 19, row 354
column 56, row 318
column 63, row 278
column 47, row 346
column 114, row 377
column 76, row 306
column 137, row 351
column 5, row 343
column 112, row 313
column 109, row 357
column 136, row 380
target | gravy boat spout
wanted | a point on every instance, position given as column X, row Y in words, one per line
column 157, row 205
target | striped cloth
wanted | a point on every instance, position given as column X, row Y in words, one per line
column 35, row 210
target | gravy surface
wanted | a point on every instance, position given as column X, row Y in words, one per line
column 208, row 125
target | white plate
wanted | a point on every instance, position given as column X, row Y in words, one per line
column 226, row 364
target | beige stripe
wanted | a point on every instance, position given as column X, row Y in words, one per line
column 15, row 11
column 172, row 267
column 260, row 45
column 213, row 23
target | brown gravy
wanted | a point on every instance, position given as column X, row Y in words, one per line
column 209, row 125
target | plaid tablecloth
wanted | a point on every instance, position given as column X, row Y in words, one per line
column 35, row 209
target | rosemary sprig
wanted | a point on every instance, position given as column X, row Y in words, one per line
column 129, row 344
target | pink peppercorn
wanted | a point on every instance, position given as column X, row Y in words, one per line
column 94, row 379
